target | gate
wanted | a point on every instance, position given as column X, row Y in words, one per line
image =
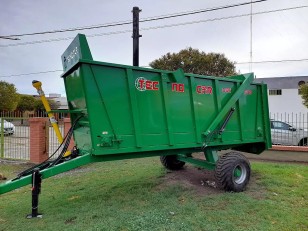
column 15, row 137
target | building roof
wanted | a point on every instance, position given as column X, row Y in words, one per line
column 282, row 82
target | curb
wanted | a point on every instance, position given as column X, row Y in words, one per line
column 289, row 148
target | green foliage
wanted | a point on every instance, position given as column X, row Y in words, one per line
column 9, row 96
column 304, row 93
column 197, row 62
column 26, row 103
column 134, row 195
column 53, row 104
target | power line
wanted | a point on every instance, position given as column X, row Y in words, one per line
column 273, row 61
column 153, row 28
column 9, row 38
column 240, row 63
column 222, row 18
column 121, row 23
column 33, row 73
column 203, row 11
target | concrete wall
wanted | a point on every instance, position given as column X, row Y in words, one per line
column 286, row 103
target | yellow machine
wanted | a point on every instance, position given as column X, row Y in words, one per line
column 53, row 121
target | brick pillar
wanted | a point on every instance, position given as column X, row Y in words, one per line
column 67, row 126
column 38, row 139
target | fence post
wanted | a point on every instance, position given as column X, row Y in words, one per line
column 38, row 141
column 67, row 126
column 2, row 138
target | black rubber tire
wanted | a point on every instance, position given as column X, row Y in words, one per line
column 227, row 166
column 171, row 162
column 303, row 142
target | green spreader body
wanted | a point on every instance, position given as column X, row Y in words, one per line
column 131, row 112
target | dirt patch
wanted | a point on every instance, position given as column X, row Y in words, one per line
column 202, row 182
column 199, row 180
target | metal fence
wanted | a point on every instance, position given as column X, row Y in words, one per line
column 15, row 134
column 14, row 138
column 286, row 129
column 289, row 129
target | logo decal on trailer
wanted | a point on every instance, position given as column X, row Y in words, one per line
column 226, row 90
column 142, row 84
column 178, row 87
column 208, row 90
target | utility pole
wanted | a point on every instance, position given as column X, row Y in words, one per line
column 250, row 62
column 136, row 36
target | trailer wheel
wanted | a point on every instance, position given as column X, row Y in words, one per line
column 171, row 162
column 232, row 172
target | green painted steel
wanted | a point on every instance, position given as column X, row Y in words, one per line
column 66, row 166
column 133, row 112
column 136, row 110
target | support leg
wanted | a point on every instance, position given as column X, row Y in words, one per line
column 36, row 189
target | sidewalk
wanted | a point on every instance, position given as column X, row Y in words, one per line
column 280, row 156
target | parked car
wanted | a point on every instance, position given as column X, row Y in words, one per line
column 8, row 128
column 285, row 134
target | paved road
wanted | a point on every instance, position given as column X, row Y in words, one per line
column 281, row 156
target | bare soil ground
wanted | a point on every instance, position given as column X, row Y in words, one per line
column 203, row 181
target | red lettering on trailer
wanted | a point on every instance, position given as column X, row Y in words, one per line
column 204, row 89
column 226, row 90
column 148, row 85
column 155, row 83
column 181, row 87
column 248, row 92
column 178, row 87
column 142, row 84
column 173, row 86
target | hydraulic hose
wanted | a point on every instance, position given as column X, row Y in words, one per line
column 47, row 164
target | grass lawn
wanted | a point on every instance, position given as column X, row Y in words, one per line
column 134, row 195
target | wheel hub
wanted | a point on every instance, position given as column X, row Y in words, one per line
column 239, row 174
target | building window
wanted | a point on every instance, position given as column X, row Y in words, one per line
column 275, row 92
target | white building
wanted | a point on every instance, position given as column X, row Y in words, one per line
column 62, row 101
column 283, row 94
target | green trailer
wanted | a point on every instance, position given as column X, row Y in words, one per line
column 120, row 112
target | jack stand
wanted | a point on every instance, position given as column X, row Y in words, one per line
column 36, row 190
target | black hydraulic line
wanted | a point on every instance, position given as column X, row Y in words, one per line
column 216, row 131
column 222, row 128
column 46, row 164
column 67, row 142
column 40, row 166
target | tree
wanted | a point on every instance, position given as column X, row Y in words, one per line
column 26, row 103
column 193, row 61
column 39, row 105
column 9, row 96
column 304, row 93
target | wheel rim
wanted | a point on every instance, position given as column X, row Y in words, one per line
column 239, row 174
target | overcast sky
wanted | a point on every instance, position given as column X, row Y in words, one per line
column 279, row 35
